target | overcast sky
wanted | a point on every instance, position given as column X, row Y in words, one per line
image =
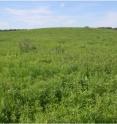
column 57, row 14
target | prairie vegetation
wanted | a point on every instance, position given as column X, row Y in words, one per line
column 58, row 75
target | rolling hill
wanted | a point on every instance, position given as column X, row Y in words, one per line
column 58, row 75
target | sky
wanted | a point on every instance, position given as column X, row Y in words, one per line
column 38, row 14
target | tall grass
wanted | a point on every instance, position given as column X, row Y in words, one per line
column 58, row 75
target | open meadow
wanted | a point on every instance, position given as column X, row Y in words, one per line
column 58, row 75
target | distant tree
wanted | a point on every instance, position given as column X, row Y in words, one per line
column 86, row 27
column 105, row 27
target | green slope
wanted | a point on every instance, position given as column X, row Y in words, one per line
column 58, row 75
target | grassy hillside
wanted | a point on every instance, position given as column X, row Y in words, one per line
column 58, row 75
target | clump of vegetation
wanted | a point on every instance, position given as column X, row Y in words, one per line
column 59, row 49
column 26, row 46
column 76, row 82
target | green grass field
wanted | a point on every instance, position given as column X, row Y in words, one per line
column 58, row 75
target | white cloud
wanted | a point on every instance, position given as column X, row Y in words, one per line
column 4, row 25
column 109, row 19
column 62, row 4
column 45, row 17
column 47, row 21
column 42, row 17
column 23, row 12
